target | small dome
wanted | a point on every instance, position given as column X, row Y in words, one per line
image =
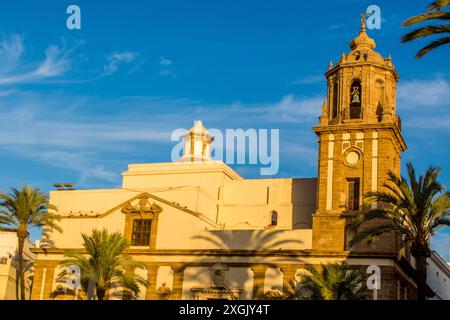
column 362, row 40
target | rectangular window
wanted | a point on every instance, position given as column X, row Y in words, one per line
column 353, row 194
column 141, row 232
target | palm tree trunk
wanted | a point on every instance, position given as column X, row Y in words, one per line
column 21, row 272
column 100, row 293
column 421, row 262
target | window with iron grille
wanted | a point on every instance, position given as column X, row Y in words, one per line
column 141, row 232
column 274, row 218
column 353, row 193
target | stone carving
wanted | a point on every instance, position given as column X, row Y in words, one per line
column 218, row 271
column 164, row 291
column 218, row 288
column 274, row 294
column 143, row 206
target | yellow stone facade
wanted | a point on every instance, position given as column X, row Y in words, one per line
column 206, row 217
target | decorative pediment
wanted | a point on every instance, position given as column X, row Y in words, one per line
column 141, row 205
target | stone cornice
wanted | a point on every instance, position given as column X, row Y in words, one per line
column 363, row 127
column 360, row 64
column 233, row 252
column 181, row 167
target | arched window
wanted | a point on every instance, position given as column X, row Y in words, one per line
column 335, row 101
column 274, row 218
column 355, row 100
column 379, row 112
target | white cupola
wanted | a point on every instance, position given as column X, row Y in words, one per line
column 197, row 144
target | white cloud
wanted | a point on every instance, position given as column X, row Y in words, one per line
column 164, row 61
column 309, row 79
column 83, row 163
column 165, row 72
column 294, row 109
column 417, row 94
column 56, row 63
column 115, row 59
column 424, row 104
column 51, row 129
column 11, row 50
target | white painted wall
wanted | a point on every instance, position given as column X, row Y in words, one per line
column 438, row 277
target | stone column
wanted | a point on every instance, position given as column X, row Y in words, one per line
column 178, row 276
column 37, row 282
column 48, row 282
column 152, row 274
column 259, row 273
column 289, row 279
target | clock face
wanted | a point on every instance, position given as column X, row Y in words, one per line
column 352, row 158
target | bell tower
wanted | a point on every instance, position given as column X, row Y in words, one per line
column 359, row 138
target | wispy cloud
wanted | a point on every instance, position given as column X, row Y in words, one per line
column 165, row 72
column 167, row 68
column 423, row 93
column 296, row 109
column 309, row 79
column 164, row 61
column 51, row 130
column 13, row 71
column 115, row 59
column 83, row 163
column 425, row 104
column 55, row 67
column 11, row 50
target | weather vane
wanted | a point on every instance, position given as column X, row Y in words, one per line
column 363, row 17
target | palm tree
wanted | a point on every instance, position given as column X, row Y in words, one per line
column 414, row 209
column 22, row 210
column 434, row 13
column 104, row 266
column 333, row 282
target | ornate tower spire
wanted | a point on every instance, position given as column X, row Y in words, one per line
column 359, row 138
column 362, row 40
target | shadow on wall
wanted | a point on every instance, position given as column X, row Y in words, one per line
column 248, row 239
column 241, row 275
column 303, row 199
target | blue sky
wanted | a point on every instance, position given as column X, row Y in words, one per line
column 79, row 105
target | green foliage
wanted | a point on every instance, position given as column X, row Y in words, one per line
column 105, row 265
column 435, row 12
column 22, row 210
column 28, row 207
column 414, row 208
column 335, row 281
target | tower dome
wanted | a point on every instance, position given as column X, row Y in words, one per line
column 362, row 40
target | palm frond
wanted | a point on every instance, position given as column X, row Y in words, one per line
column 438, row 15
column 438, row 5
column 106, row 265
column 433, row 45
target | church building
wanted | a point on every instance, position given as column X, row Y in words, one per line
column 205, row 232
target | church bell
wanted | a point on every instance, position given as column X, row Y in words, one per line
column 355, row 98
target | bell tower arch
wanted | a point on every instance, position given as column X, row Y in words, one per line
column 359, row 138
